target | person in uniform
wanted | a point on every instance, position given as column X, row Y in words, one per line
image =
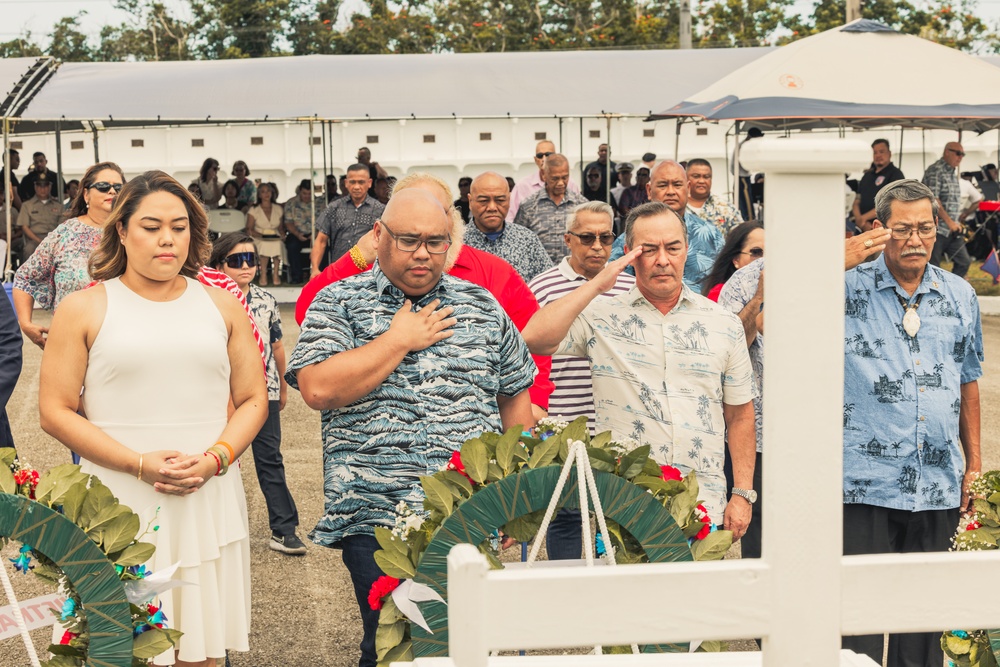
column 39, row 216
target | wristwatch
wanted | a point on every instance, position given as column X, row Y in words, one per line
column 749, row 496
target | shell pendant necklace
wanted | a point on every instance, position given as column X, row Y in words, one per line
column 911, row 321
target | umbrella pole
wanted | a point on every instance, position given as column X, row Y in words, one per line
column 736, row 164
column 677, row 139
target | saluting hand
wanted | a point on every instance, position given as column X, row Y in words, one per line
column 421, row 329
column 608, row 276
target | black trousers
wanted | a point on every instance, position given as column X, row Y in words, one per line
column 878, row 530
column 952, row 245
column 282, row 515
column 294, row 248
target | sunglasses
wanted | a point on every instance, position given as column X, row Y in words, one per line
column 105, row 187
column 958, row 153
column 238, row 259
column 754, row 252
column 543, row 155
column 588, row 239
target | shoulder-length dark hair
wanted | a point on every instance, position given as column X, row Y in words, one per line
column 723, row 269
column 274, row 192
column 225, row 244
column 205, row 166
column 79, row 206
column 109, row 259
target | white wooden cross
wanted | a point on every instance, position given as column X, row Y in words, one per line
column 802, row 595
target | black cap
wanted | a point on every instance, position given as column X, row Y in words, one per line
column 42, row 179
column 306, row 184
column 648, row 157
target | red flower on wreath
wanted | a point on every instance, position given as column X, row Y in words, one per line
column 670, row 473
column 706, row 521
column 29, row 477
column 973, row 525
column 382, row 587
column 68, row 637
column 456, row 464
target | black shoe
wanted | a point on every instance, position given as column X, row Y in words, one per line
column 287, row 544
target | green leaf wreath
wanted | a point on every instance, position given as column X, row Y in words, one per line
column 492, row 457
column 977, row 531
column 113, row 528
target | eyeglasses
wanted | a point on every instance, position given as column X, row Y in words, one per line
column 756, row 253
column 607, row 238
column 104, row 186
column 923, row 231
column 540, row 156
column 435, row 246
column 238, row 259
column 958, row 153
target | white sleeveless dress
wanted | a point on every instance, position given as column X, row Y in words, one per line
column 158, row 378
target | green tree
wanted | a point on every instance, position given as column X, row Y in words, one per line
column 471, row 26
column 404, row 28
column 67, row 43
column 313, row 28
column 152, row 33
column 21, row 46
column 724, row 23
column 238, row 28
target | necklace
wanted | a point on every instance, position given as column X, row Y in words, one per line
column 911, row 321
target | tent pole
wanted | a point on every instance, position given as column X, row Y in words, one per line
column 323, row 133
column 607, row 165
column 923, row 146
column 560, row 131
column 677, row 139
column 901, row 130
column 97, row 151
column 8, row 275
column 736, row 164
column 729, row 168
column 60, row 179
column 312, row 184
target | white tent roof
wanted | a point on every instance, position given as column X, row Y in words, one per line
column 525, row 84
column 13, row 71
column 839, row 78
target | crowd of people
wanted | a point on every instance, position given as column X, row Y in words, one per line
column 428, row 319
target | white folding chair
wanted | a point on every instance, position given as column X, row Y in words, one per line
column 223, row 221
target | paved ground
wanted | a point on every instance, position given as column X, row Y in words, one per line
column 304, row 609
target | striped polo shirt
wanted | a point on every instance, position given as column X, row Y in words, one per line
column 574, row 393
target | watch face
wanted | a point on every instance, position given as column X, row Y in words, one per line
column 752, row 496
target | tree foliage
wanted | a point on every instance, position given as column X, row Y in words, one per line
column 215, row 29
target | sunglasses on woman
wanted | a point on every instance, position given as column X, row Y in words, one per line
column 105, row 187
column 756, row 253
column 237, row 259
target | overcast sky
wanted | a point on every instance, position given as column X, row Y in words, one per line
column 38, row 16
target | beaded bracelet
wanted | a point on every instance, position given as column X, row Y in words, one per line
column 358, row 258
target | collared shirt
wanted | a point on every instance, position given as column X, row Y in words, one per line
column 58, row 266
column 480, row 268
column 547, row 219
column 874, row 180
column 515, row 244
column 298, row 215
column 942, row 179
column 40, row 217
column 574, row 392
column 267, row 317
column 376, row 449
column 902, row 395
column 704, row 244
column 735, row 295
column 526, row 187
column 718, row 212
column 345, row 223
column 632, row 197
column 663, row 379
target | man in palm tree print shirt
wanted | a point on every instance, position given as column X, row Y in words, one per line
column 670, row 368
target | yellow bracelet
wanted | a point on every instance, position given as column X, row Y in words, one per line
column 139, row 476
column 359, row 259
column 229, row 448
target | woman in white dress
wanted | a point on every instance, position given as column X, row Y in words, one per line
column 264, row 225
column 157, row 357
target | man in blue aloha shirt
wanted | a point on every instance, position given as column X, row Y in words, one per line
column 668, row 184
column 406, row 365
column 913, row 355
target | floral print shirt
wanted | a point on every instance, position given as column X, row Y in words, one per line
column 722, row 215
column 59, row 266
column 264, row 310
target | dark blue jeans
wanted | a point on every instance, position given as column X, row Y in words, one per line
column 359, row 558
column 564, row 539
column 282, row 516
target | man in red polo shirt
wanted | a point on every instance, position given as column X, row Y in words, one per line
column 478, row 267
